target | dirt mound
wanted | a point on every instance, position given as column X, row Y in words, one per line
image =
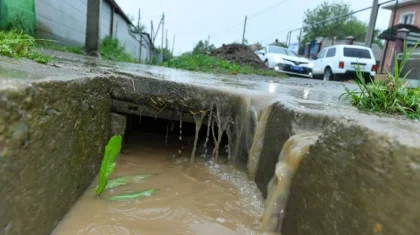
column 240, row 54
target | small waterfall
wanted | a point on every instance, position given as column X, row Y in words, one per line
column 258, row 143
column 198, row 118
column 292, row 153
column 210, row 117
column 222, row 121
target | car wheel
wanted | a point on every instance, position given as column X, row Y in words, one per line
column 328, row 75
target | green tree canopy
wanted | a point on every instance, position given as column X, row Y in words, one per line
column 203, row 47
column 339, row 28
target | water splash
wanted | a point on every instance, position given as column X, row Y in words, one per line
column 292, row 153
column 167, row 133
column 222, row 121
column 208, row 128
column 180, row 133
column 198, row 118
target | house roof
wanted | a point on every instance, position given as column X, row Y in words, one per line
column 391, row 33
column 401, row 3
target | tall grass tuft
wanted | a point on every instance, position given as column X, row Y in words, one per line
column 392, row 96
column 20, row 45
column 111, row 49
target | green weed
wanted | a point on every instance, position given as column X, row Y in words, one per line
column 19, row 45
column 394, row 96
column 111, row 49
column 209, row 64
column 108, row 162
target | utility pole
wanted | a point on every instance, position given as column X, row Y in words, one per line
column 163, row 36
column 141, row 36
column 208, row 40
column 287, row 38
column 372, row 23
column 138, row 21
column 151, row 29
column 166, row 39
column 243, row 34
column 392, row 33
column 300, row 40
column 173, row 45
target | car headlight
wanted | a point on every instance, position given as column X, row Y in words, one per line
column 277, row 68
column 311, row 65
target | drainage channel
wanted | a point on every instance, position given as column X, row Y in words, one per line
column 198, row 198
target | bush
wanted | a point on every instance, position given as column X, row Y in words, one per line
column 111, row 49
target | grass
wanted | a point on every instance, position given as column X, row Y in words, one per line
column 111, row 49
column 75, row 50
column 209, row 64
column 392, row 96
column 19, row 45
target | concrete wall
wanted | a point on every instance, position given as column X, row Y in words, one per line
column 65, row 22
column 52, row 152
column 62, row 20
column 122, row 32
column 105, row 21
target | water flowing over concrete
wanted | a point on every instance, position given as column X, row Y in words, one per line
column 292, row 153
column 350, row 182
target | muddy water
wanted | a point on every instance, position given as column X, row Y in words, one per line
column 202, row 198
column 292, row 153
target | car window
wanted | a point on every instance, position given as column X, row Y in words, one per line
column 321, row 54
column 357, row 53
column 331, row 52
column 264, row 50
column 282, row 51
column 277, row 50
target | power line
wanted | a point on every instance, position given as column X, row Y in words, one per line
column 332, row 19
column 267, row 9
column 254, row 15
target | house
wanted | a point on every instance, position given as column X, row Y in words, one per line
column 407, row 15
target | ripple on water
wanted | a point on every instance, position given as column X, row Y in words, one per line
column 195, row 199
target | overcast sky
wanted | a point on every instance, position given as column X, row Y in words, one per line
column 222, row 20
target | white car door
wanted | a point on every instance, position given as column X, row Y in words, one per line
column 262, row 53
column 319, row 63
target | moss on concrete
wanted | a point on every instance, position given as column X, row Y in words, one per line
column 357, row 179
column 52, row 136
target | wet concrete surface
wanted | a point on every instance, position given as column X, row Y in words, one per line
column 299, row 105
column 66, row 66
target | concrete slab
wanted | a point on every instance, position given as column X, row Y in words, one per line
column 41, row 104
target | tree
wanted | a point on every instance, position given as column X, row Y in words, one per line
column 315, row 25
column 203, row 47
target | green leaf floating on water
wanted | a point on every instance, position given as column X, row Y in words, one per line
column 108, row 162
column 124, row 181
column 145, row 193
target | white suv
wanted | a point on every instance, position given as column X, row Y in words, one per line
column 341, row 61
